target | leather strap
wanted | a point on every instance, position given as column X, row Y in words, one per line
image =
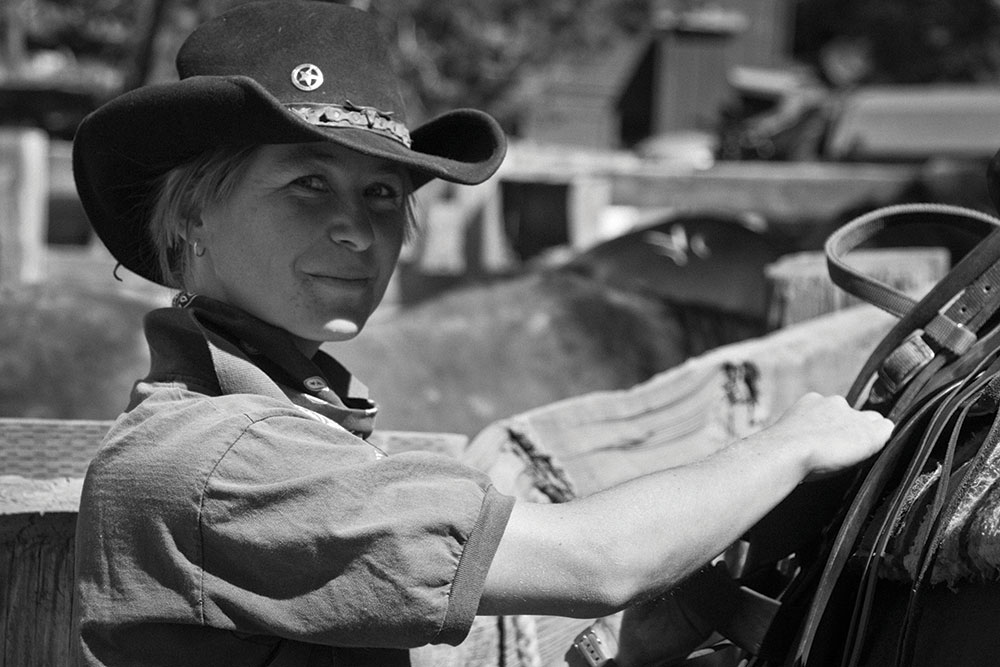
column 976, row 381
column 793, row 522
column 964, row 273
column 946, row 320
column 945, row 403
column 956, row 402
column 940, row 518
column 955, row 329
column 916, row 380
column 951, row 332
column 868, row 226
column 850, row 526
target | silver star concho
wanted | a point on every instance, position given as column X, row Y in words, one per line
column 307, row 77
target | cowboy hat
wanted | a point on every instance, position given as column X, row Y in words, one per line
column 278, row 71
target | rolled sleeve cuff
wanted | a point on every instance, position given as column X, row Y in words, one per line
column 470, row 577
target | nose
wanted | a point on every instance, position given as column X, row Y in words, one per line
column 351, row 227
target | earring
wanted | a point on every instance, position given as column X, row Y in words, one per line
column 197, row 249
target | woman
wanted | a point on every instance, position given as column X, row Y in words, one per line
column 236, row 513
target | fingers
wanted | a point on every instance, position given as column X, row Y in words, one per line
column 886, row 425
column 831, row 433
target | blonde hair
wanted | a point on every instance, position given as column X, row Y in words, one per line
column 178, row 196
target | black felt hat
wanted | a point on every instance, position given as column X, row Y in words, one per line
column 281, row 71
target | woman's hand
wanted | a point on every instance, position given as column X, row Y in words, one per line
column 831, row 434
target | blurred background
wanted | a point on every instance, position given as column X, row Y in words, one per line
column 641, row 282
column 666, row 156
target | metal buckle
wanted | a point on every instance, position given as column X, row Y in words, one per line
column 592, row 648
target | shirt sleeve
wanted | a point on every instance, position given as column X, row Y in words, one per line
column 305, row 533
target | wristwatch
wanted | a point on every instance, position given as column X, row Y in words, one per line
column 594, row 647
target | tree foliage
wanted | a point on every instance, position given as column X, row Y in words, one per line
column 477, row 52
column 906, row 41
column 450, row 54
column 481, row 52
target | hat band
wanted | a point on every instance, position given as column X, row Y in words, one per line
column 349, row 115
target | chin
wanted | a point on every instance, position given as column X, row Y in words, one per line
column 341, row 330
column 310, row 339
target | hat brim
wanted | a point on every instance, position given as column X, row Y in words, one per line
column 124, row 145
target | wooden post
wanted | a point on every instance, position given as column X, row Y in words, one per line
column 24, row 184
column 801, row 288
column 495, row 254
column 37, row 526
column 589, row 196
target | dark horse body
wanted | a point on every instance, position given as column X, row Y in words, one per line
column 609, row 319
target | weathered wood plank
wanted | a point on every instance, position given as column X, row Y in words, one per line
column 49, row 448
column 792, row 198
column 782, row 192
column 36, row 589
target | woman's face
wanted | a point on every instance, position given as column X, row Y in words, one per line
column 307, row 241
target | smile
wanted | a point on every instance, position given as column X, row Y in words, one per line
column 356, row 281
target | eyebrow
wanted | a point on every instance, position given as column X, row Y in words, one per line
column 316, row 153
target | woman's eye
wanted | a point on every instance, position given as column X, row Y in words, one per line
column 384, row 196
column 381, row 190
column 312, row 182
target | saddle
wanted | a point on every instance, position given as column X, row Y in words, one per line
column 897, row 561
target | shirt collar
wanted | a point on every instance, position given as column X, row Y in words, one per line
column 320, row 383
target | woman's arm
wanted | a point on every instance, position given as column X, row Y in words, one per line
column 593, row 556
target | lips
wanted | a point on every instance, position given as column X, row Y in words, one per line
column 341, row 278
column 350, row 271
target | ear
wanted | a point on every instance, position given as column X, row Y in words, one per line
column 193, row 225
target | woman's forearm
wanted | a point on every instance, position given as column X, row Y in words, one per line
column 595, row 555
column 645, row 535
